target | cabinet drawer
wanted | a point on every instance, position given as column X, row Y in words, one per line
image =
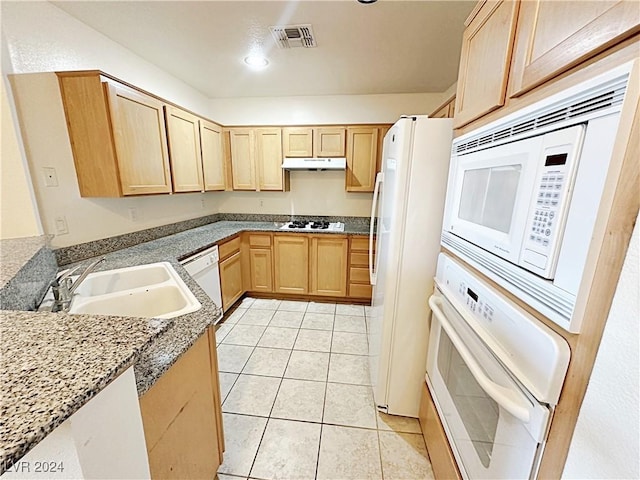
column 360, row 243
column 359, row 259
column 228, row 248
column 359, row 291
column 360, row 275
column 259, row 240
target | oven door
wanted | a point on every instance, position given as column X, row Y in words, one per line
column 495, row 427
column 490, row 196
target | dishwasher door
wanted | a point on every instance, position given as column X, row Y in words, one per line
column 203, row 267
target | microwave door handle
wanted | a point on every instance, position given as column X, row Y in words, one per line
column 374, row 208
column 513, row 402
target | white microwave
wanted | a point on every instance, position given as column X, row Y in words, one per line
column 512, row 200
column 524, row 192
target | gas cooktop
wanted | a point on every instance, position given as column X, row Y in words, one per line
column 303, row 225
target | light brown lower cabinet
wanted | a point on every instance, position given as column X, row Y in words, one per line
column 231, row 280
column 440, row 454
column 182, row 418
column 291, row 267
column 328, row 264
column 261, row 266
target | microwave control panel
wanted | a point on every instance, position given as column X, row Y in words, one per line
column 560, row 153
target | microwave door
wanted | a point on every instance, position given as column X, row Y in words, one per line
column 492, row 192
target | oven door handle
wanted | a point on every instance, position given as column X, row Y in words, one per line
column 512, row 401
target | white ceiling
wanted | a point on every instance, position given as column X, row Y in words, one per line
column 391, row 46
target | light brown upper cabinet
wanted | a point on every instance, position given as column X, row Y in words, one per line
column 297, row 141
column 213, row 164
column 362, row 158
column 141, row 141
column 117, row 135
column 555, row 36
column 243, row 165
column 329, row 265
column 487, row 45
column 183, row 131
column 329, row 141
column 256, row 159
column 291, row 266
column 269, row 159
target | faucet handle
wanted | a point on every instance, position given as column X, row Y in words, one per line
column 64, row 276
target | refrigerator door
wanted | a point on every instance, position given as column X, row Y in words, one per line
column 415, row 163
column 395, row 150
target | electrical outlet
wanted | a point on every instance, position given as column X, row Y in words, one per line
column 202, row 205
column 133, row 214
column 50, row 176
column 262, row 203
column 61, row 225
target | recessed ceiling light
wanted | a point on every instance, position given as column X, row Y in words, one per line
column 256, row 61
column 366, row 2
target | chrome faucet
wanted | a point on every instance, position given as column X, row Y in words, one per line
column 63, row 287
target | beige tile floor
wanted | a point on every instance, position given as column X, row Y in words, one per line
column 297, row 401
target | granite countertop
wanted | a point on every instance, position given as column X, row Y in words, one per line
column 40, row 391
column 15, row 253
column 51, row 364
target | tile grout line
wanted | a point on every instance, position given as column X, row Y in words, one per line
column 324, row 402
column 274, row 401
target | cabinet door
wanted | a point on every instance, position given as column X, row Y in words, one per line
column 179, row 418
column 261, row 267
column 555, row 36
column 297, row 142
column 212, row 156
column 183, row 132
column 230, row 280
column 141, row 141
column 487, row 44
column 362, row 155
column 329, row 265
column 243, row 158
column 328, row 141
column 291, row 269
column 269, row 159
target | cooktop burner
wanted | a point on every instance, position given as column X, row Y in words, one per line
column 296, row 224
column 320, row 225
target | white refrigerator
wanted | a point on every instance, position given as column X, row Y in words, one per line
column 406, row 219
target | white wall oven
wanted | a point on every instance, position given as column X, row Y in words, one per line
column 495, row 375
column 524, row 193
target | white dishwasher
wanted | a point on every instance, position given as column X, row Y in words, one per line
column 203, row 267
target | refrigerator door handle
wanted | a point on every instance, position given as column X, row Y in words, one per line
column 374, row 208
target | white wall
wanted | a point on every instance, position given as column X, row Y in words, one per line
column 18, row 214
column 325, row 109
column 42, row 38
column 606, row 441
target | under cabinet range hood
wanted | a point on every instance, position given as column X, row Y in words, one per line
column 314, row 163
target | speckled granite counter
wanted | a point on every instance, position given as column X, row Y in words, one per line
column 54, row 363
column 27, row 266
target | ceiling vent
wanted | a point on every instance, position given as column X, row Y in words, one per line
column 293, row 36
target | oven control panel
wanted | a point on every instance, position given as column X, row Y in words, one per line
column 476, row 304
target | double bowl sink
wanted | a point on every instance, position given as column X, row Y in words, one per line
column 151, row 291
